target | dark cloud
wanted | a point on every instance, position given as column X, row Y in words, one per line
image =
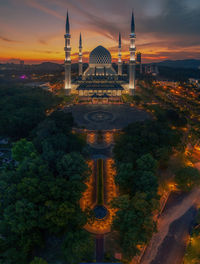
column 175, row 18
column 8, row 40
column 174, row 24
column 163, row 27
column 47, row 51
column 42, row 41
column 161, row 19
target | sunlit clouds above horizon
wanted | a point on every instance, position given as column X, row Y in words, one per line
column 33, row 30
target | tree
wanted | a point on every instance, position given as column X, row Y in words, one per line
column 134, row 222
column 137, row 99
column 145, row 179
column 147, row 163
column 38, row 199
column 78, row 246
column 175, row 118
column 23, row 149
column 192, row 253
column 138, row 152
column 73, row 167
column 63, row 121
column 40, row 192
column 125, row 176
column 187, row 178
column 22, row 109
column 38, row 261
column 146, row 137
column 141, row 178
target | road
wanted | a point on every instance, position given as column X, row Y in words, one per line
column 172, row 249
column 173, row 227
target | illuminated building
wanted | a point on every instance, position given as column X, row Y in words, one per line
column 132, row 57
column 151, row 69
column 120, row 56
column 67, row 57
column 100, row 64
column 80, row 62
column 100, row 79
column 139, row 60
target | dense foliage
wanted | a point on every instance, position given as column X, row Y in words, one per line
column 154, row 137
column 138, row 153
column 40, row 191
column 22, row 108
column 178, row 74
column 38, row 261
column 187, row 178
column 100, row 182
column 192, row 254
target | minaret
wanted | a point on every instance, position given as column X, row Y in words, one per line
column 132, row 57
column 80, row 57
column 120, row 56
column 67, row 57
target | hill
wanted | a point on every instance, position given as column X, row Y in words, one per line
column 187, row 64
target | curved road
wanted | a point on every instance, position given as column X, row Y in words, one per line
column 168, row 244
column 173, row 247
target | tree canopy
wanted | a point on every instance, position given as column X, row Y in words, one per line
column 138, row 154
column 187, row 178
column 153, row 137
column 134, row 222
column 22, row 109
column 40, row 194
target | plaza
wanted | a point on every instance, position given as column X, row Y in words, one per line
column 106, row 117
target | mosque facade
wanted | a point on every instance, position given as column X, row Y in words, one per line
column 100, row 79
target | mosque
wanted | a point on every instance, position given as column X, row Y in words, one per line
column 100, row 79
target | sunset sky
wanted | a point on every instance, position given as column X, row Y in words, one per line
column 33, row 30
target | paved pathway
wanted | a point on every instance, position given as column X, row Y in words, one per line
column 99, row 248
column 122, row 115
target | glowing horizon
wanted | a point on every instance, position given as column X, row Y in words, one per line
column 33, row 31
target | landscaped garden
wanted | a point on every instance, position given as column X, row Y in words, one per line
column 100, row 210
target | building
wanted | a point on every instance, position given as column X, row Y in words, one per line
column 195, row 82
column 139, row 60
column 100, row 64
column 151, row 69
column 67, row 57
column 100, row 79
column 22, row 64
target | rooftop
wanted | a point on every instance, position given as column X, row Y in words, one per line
column 100, row 86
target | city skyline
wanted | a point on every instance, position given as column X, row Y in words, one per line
column 33, row 30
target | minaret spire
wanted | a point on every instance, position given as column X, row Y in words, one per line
column 80, row 57
column 67, row 49
column 132, row 57
column 120, row 56
column 67, row 24
column 132, row 24
column 120, row 41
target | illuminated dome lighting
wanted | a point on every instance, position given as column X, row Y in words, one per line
column 100, row 55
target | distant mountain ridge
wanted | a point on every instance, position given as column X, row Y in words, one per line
column 48, row 66
column 187, row 63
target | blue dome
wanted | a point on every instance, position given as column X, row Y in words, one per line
column 100, row 55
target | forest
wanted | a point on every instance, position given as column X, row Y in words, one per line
column 40, row 190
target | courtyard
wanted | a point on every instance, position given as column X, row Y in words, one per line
column 106, row 117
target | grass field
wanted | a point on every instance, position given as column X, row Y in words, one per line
column 100, row 182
